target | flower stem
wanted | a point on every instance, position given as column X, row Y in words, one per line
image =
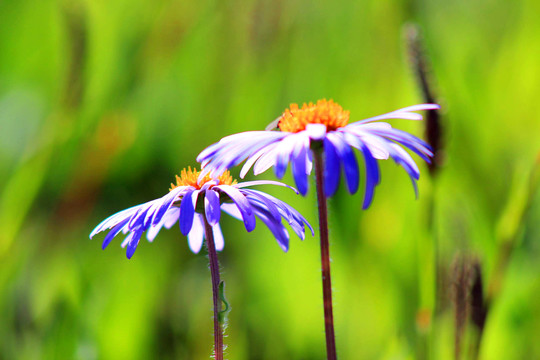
column 325, row 259
column 214, row 271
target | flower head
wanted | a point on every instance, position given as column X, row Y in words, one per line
column 322, row 127
column 190, row 201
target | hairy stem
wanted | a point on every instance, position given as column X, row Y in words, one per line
column 214, row 270
column 325, row 259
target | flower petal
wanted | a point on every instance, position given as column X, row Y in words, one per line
column 211, row 207
column 348, row 159
column 372, row 176
column 171, row 217
column 218, row 237
column 331, row 168
column 115, row 219
column 187, row 211
column 113, row 233
column 256, row 198
column 196, row 234
column 262, row 182
column 168, row 200
column 404, row 113
column 133, row 242
column 299, row 170
column 278, row 230
column 242, row 203
column 232, row 210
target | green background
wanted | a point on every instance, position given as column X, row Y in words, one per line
column 103, row 102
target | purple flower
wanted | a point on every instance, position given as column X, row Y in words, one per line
column 190, row 198
column 322, row 127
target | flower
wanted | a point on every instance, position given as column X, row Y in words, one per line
column 190, row 198
column 322, row 127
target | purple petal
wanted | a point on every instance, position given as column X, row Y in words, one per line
column 152, row 231
column 187, row 210
column 232, row 210
column 404, row 113
column 196, row 234
column 242, row 203
column 299, row 167
column 348, row 159
column 218, row 237
column 115, row 219
column 168, row 200
column 267, row 160
column 258, row 199
column 331, row 168
column 372, row 176
column 113, row 233
column 292, row 216
column 211, row 207
column 234, row 149
column 315, row 131
column 133, row 242
column 278, row 230
column 263, row 182
column 171, row 217
column 355, row 137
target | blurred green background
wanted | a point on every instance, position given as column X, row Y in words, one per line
column 103, row 102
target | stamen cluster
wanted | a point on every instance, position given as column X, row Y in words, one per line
column 190, row 177
column 329, row 113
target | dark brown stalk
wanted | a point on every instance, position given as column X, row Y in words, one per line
column 325, row 259
column 420, row 65
column 461, row 299
column 214, row 271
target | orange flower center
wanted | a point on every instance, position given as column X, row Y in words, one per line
column 189, row 178
column 295, row 119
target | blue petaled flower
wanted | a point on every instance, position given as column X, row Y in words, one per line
column 191, row 199
column 322, row 127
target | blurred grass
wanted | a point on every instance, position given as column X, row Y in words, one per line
column 101, row 103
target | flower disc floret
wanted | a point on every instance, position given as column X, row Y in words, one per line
column 329, row 113
column 190, row 177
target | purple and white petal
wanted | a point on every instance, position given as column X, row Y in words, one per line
column 187, row 211
column 242, row 203
column 133, row 242
column 278, row 230
column 332, row 168
column 114, row 231
column 315, row 131
column 219, row 241
column 196, row 234
column 260, row 200
column 405, row 113
column 171, row 217
column 114, row 220
column 211, row 207
column 348, row 159
column 232, row 210
column 168, row 200
column 263, row 182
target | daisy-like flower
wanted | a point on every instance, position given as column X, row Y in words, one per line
column 321, row 134
column 322, row 125
column 191, row 199
column 196, row 203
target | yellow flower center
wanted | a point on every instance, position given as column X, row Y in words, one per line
column 295, row 119
column 189, row 178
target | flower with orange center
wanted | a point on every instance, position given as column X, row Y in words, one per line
column 328, row 113
column 181, row 205
column 322, row 127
